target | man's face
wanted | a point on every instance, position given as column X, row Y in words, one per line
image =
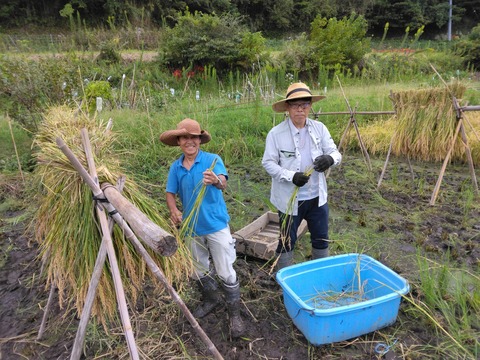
column 298, row 110
column 189, row 144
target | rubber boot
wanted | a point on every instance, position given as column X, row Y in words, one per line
column 232, row 297
column 284, row 259
column 319, row 253
column 211, row 297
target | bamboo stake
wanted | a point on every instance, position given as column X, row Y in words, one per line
column 354, row 122
column 470, row 159
column 45, row 313
column 468, row 152
column 385, row 164
column 97, row 270
column 412, row 173
column 110, row 250
column 139, row 247
column 362, row 146
column 15, row 147
column 444, row 166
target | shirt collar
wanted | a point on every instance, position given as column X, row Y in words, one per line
column 293, row 129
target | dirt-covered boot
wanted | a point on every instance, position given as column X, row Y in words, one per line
column 232, row 296
column 284, row 259
column 319, row 253
column 210, row 296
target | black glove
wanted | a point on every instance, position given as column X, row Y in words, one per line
column 300, row 179
column 322, row 163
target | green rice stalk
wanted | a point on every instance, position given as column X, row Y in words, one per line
column 286, row 221
column 189, row 223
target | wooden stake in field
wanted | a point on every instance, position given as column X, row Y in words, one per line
column 459, row 130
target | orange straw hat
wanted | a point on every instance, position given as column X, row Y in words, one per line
column 296, row 91
column 185, row 127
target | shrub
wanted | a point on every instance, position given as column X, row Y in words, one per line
column 109, row 54
column 96, row 89
column 469, row 49
column 335, row 41
column 200, row 39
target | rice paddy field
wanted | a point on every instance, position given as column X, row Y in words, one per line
column 407, row 197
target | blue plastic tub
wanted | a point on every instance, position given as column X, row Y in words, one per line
column 341, row 297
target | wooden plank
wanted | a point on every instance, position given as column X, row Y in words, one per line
column 260, row 238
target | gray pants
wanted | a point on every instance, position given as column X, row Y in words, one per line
column 220, row 246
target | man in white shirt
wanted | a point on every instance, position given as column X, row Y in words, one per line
column 297, row 153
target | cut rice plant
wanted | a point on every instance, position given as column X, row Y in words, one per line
column 286, row 219
column 331, row 299
column 188, row 224
column 65, row 225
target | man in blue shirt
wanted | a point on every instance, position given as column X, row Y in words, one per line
column 208, row 230
column 297, row 153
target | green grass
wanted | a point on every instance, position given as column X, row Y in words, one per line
column 15, row 145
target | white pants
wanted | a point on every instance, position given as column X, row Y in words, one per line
column 220, row 246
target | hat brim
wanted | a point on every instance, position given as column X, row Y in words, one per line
column 281, row 106
column 170, row 137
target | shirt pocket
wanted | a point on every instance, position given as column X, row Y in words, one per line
column 287, row 154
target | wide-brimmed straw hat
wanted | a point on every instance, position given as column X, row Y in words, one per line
column 296, row 91
column 185, row 127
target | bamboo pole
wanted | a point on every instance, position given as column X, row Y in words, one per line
column 468, row 152
column 354, row 122
column 97, row 270
column 138, row 245
column 444, row 165
column 385, row 164
column 15, row 148
column 45, row 313
column 357, row 113
column 470, row 159
column 110, row 252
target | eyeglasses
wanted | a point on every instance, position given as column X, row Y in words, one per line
column 299, row 106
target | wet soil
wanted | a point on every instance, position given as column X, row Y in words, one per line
column 391, row 223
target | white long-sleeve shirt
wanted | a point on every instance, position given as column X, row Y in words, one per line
column 282, row 159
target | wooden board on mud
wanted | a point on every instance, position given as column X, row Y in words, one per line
column 260, row 238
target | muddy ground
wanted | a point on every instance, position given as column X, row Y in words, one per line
column 391, row 225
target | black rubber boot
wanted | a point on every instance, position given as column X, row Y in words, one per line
column 284, row 259
column 211, row 297
column 319, row 253
column 232, row 296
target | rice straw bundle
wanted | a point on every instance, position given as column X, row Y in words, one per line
column 424, row 129
column 426, row 122
column 376, row 136
column 66, row 227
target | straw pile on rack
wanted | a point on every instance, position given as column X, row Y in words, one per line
column 426, row 122
column 423, row 127
column 65, row 224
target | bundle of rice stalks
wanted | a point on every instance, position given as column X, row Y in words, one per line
column 424, row 127
column 66, row 228
column 426, row 122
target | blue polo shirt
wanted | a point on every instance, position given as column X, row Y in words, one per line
column 212, row 214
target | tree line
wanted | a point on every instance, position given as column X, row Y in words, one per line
column 271, row 17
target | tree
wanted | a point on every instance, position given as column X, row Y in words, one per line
column 341, row 42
